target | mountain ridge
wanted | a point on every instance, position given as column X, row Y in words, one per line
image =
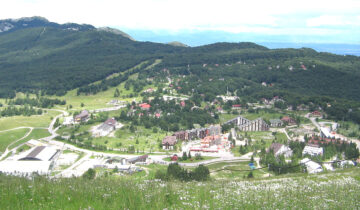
column 42, row 56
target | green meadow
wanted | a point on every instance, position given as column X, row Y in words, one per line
column 7, row 137
column 337, row 190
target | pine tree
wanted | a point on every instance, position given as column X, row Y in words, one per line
column 184, row 157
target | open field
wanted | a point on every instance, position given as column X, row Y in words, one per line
column 263, row 114
column 338, row 190
column 349, row 129
column 237, row 170
column 40, row 121
column 8, row 137
column 36, row 133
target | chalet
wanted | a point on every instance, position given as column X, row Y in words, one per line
column 149, row 90
column 181, row 135
column 276, row 123
column 182, row 104
column 318, row 141
column 107, row 127
column 312, row 150
column 288, row 120
column 145, row 106
column 82, row 117
column 236, row 107
column 316, row 114
column 280, row 149
column 303, row 67
column 169, row 142
column 220, row 109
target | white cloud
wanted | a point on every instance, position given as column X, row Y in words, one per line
column 258, row 16
column 333, row 20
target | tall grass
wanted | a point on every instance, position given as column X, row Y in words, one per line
column 325, row 191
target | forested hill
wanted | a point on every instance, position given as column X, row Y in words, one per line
column 36, row 54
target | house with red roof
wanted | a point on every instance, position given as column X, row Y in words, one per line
column 169, row 142
column 145, row 106
column 288, row 120
column 236, row 106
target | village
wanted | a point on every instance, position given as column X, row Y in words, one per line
column 236, row 139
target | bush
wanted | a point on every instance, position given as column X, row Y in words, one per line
column 201, row 173
column 89, row 174
column 160, row 174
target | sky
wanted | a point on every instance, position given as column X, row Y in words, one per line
column 306, row 20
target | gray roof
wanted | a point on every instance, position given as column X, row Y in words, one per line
column 275, row 121
column 83, row 114
column 171, row 140
column 35, row 152
column 275, row 147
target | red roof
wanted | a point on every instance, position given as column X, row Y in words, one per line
column 236, row 105
column 145, row 106
column 182, row 103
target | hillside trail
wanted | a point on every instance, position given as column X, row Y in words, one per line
column 7, row 148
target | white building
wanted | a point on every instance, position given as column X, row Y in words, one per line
column 25, row 168
column 311, row 166
column 280, row 149
column 228, row 98
column 41, row 153
column 312, row 150
column 326, row 133
column 106, row 128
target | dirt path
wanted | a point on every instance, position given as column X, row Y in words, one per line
column 7, row 148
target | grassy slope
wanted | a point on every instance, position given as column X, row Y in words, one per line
column 35, row 134
column 42, row 121
column 100, row 99
column 339, row 190
column 8, row 137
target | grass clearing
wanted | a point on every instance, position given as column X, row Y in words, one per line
column 39, row 121
column 7, row 137
column 36, row 133
column 192, row 160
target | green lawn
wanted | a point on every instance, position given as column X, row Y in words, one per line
column 41, row 121
column 35, row 134
column 281, row 137
column 263, row 114
column 8, row 137
column 145, row 137
column 142, row 139
column 238, row 170
column 225, row 117
column 349, row 129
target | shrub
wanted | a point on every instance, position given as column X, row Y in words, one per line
column 89, row 174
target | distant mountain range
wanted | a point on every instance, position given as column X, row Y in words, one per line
column 38, row 55
column 197, row 38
